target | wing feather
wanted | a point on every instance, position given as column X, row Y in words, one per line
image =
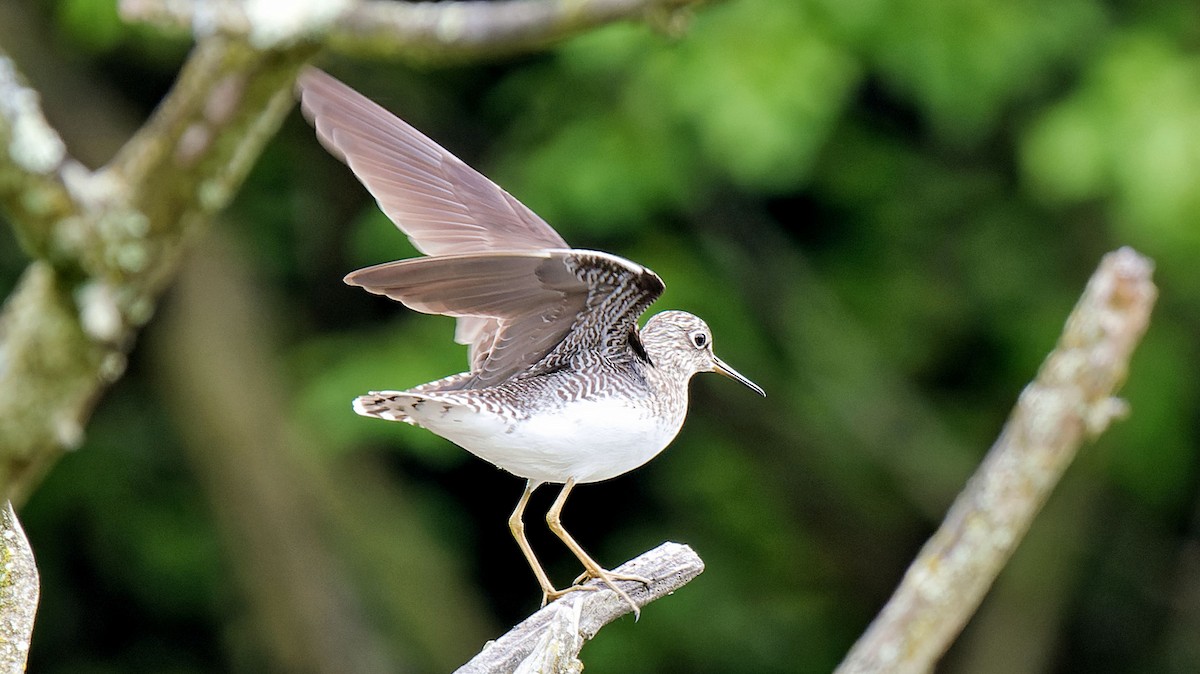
column 524, row 301
column 543, row 308
column 444, row 206
column 428, row 192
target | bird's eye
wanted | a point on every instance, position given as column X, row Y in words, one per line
column 699, row 339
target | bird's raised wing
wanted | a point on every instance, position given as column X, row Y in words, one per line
column 444, row 206
column 546, row 306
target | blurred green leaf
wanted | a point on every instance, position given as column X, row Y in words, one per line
column 964, row 62
column 93, row 24
column 761, row 86
column 1129, row 137
column 338, row 368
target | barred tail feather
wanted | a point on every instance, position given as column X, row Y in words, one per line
column 389, row 405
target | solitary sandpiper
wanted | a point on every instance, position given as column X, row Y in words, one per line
column 563, row 387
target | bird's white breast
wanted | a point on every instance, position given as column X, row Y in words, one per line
column 589, row 440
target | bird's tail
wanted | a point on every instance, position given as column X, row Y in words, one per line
column 389, row 405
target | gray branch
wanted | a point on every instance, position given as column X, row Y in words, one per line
column 416, row 31
column 18, row 593
column 1069, row 401
column 550, row 640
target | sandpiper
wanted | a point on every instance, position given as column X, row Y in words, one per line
column 563, row 387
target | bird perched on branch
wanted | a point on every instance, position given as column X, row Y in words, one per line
column 563, row 386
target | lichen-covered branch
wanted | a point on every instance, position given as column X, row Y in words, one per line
column 1070, row 400
column 32, row 160
column 18, row 592
column 550, row 640
column 417, row 31
column 106, row 243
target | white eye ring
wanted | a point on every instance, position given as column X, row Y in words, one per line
column 699, row 339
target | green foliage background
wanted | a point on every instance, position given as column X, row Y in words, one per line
column 885, row 210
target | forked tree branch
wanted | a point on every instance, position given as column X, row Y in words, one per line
column 550, row 640
column 1070, row 400
column 107, row 242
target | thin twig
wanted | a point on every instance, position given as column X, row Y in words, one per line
column 1070, row 400
column 550, row 640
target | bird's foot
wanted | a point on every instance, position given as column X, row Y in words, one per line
column 610, row 579
column 606, row 577
column 551, row 594
column 610, row 575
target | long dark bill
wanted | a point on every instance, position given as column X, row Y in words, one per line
column 721, row 367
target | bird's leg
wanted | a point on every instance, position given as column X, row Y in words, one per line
column 592, row 569
column 517, row 527
column 583, row 556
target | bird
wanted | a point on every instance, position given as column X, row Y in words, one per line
column 563, row 387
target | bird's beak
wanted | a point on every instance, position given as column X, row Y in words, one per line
column 720, row 367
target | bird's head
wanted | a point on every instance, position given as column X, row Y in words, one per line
column 682, row 343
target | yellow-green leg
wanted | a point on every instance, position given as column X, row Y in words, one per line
column 592, row 569
column 517, row 527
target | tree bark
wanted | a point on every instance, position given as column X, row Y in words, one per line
column 550, row 640
column 1070, row 400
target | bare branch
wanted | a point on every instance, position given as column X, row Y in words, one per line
column 1070, row 400
column 18, row 593
column 448, row 31
column 418, row 31
column 550, row 640
column 263, row 25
